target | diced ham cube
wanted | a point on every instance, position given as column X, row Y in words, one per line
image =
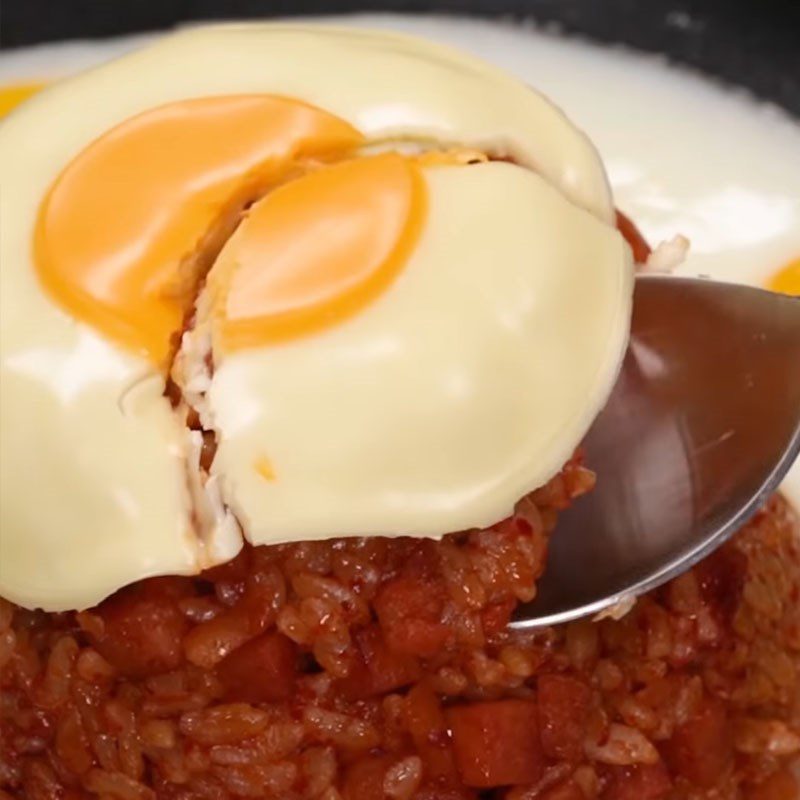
column 497, row 743
column 563, row 710
column 378, row 670
column 262, row 670
column 409, row 610
column 701, row 749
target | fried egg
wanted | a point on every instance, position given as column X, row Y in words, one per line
column 381, row 276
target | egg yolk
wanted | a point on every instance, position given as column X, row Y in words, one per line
column 318, row 249
column 787, row 280
column 135, row 220
column 12, row 96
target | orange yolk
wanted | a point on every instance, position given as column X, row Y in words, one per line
column 787, row 280
column 12, row 96
column 118, row 232
column 318, row 249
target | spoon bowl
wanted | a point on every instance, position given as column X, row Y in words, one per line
column 701, row 427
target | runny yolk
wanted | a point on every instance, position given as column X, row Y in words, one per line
column 787, row 280
column 119, row 234
column 318, row 249
column 11, row 96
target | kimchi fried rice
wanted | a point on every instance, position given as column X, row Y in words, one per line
column 360, row 669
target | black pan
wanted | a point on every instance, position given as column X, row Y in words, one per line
column 752, row 43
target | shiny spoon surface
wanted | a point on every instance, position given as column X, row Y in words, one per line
column 701, row 427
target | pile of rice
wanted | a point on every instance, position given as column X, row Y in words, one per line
column 364, row 669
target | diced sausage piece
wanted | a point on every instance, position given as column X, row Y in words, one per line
column 497, row 743
column 378, row 670
column 563, row 710
column 428, row 728
column 409, row 610
column 701, row 749
column 262, row 670
column 364, row 779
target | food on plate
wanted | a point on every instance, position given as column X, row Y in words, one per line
column 382, row 374
column 382, row 668
column 301, row 334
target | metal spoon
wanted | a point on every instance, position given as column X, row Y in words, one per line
column 701, row 427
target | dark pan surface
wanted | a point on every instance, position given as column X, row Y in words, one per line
column 752, row 43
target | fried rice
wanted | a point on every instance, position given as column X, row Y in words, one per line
column 363, row 669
